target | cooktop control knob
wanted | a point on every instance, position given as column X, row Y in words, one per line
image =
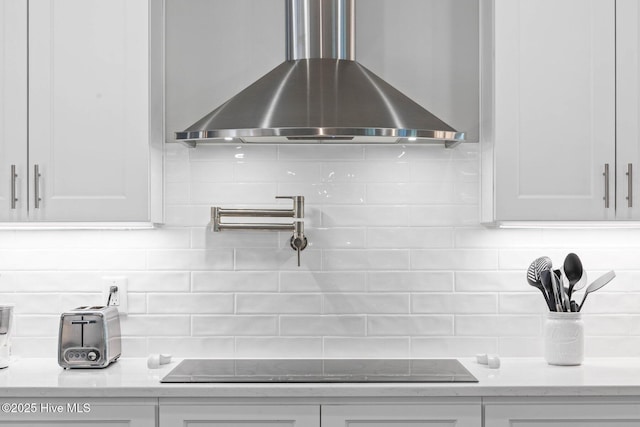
column 92, row 356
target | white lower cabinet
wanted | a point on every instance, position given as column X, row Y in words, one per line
column 460, row 412
column 78, row 412
column 562, row 412
column 228, row 415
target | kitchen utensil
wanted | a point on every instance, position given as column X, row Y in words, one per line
column 574, row 306
column 545, row 278
column 581, row 283
column 561, row 280
column 573, row 270
column 533, row 277
column 557, row 291
column 597, row 284
column 6, row 327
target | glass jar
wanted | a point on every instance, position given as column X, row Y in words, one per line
column 564, row 338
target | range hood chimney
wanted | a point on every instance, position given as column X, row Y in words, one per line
column 320, row 94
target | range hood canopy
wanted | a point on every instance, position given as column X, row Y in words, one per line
column 320, row 94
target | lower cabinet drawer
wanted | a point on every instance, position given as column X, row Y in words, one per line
column 78, row 412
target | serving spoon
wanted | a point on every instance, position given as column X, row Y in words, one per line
column 597, row 284
column 533, row 277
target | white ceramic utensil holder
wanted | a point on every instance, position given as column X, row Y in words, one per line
column 564, row 339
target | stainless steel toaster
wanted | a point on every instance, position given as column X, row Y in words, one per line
column 89, row 337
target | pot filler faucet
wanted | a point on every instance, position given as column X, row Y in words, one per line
column 298, row 240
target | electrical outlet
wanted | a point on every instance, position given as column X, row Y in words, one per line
column 120, row 297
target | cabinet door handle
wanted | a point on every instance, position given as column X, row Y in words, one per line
column 630, row 185
column 606, row 185
column 36, row 186
column 14, row 175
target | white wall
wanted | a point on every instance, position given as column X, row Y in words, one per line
column 398, row 265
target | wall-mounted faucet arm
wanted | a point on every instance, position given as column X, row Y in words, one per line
column 298, row 240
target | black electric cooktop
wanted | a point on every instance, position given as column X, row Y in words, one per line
column 319, row 371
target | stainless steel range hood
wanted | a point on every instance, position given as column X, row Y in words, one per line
column 320, row 94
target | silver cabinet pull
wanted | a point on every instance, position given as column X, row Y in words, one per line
column 629, row 185
column 36, row 186
column 606, row 185
column 14, row 175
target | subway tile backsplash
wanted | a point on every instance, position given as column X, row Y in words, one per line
column 397, row 264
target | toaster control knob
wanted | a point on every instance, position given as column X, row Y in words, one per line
column 92, row 356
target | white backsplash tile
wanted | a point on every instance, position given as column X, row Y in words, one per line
column 233, row 153
column 454, row 303
column 521, row 346
column 454, row 259
column 410, row 281
column 234, row 281
column 155, row 325
column 193, row 303
column 320, row 152
column 212, row 172
column 276, row 260
column 204, row 347
column 375, row 348
column 235, row 325
column 337, row 238
column 413, row 238
column 369, row 216
column 398, row 264
column 194, row 259
column 366, row 303
column 452, row 346
column 37, row 326
column 365, row 172
column 443, row 171
column 322, row 281
column 522, row 303
column 278, row 303
column 278, row 347
column 278, row 172
column 227, row 195
column 325, row 193
column 322, row 325
column 366, row 260
column 503, row 325
column 414, row 325
column 491, row 281
column 443, row 215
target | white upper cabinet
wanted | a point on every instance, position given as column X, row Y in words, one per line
column 549, row 110
column 13, row 109
column 94, row 105
column 628, row 109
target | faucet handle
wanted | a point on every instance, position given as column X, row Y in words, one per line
column 294, row 198
column 298, row 244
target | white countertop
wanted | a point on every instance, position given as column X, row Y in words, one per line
column 516, row 377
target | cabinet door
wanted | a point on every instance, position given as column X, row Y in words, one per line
column 562, row 414
column 89, row 110
column 239, row 415
column 554, row 106
column 13, row 109
column 77, row 412
column 628, row 109
column 456, row 414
